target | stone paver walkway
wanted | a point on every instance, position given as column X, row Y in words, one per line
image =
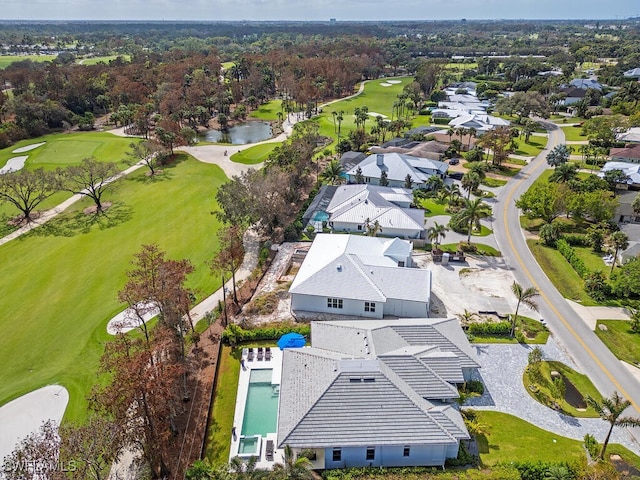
column 501, row 372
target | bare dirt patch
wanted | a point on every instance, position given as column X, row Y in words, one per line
column 92, row 210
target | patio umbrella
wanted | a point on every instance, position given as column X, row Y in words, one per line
column 291, row 340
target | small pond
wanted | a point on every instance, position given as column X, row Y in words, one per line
column 240, row 134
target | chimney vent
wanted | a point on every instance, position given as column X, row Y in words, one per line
column 380, row 159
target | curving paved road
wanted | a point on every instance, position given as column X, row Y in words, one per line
column 604, row 369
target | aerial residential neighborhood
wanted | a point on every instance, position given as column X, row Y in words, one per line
column 334, row 248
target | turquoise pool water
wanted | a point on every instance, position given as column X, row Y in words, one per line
column 261, row 409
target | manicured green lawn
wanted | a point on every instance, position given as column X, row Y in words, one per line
column 592, row 261
column 62, row 150
column 493, row 182
column 223, row 406
column 105, row 59
column 510, row 439
column 433, row 207
column 255, row 154
column 544, row 386
column 620, row 339
column 531, row 149
column 573, row 134
column 6, row 60
column 482, row 249
column 268, row 111
column 62, row 279
column 561, row 274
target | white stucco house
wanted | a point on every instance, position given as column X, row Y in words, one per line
column 360, row 276
column 480, row 122
column 376, row 393
column 351, row 208
column 397, row 167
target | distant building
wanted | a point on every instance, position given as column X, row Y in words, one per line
column 633, row 73
column 397, row 167
column 348, row 208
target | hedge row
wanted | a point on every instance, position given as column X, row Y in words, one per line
column 569, row 253
column 490, row 328
column 235, row 334
column 576, row 240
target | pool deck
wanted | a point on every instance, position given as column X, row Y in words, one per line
column 241, row 399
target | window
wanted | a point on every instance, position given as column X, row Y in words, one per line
column 371, row 453
column 334, row 302
column 337, row 454
column 401, row 264
column 359, row 227
column 369, row 306
column 407, row 451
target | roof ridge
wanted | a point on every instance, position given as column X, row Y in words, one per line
column 359, row 266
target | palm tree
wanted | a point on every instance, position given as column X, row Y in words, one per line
column 339, row 119
column 466, row 317
column 450, row 132
column 610, row 410
column 560, row 154
column 332, row 174
column 473, row 212
column 525, row 296
column 558, row 472
column 293, row 468
column 564, row 172
column 620, row 241
column 451, row 192
column 372, row 228
column 472, row 134
column 435, row 232
column 408, row 181
column 470, row 181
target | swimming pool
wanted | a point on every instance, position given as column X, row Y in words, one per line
column 261, row 407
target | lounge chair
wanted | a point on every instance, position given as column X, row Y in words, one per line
column 245, row 352
column 260, row 353
column 250, row 355
column 268, row 453
column 267, row 353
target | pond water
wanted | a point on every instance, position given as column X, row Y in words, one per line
column 240, row 134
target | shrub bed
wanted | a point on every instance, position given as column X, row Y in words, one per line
column 576, row 262
column 237, row 334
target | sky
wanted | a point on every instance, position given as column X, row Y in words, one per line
column 224, row 10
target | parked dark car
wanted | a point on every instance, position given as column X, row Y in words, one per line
column 456, row 175
column 454, row 161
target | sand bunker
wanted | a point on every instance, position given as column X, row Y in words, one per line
column 394, row 81
column 127, row 320
column 385, row 84
column 14, row 164
column 26, row 414
column 376, row 114
column 28, row 147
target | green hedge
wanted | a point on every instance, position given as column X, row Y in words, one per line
column 490, row 328
column 576, row 240
column 236, row 334
column 440, row 121
column 576, row 262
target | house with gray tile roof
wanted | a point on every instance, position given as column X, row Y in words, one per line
column 360, row 276
column 397, row 167
column 350, row 208
column 352, row 407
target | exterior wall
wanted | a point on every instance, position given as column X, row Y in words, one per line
column 467, row 373
column 406, row 308
column 392, row 183
column 387, row 232
column 392, row 456
column 316, row 464
column 313, row 303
